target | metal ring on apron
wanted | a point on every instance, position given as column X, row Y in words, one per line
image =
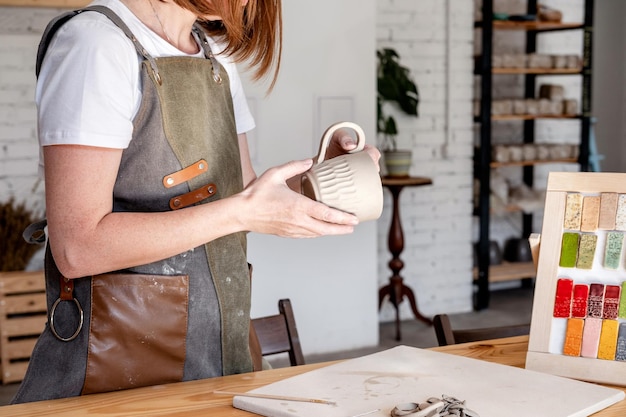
column 80, row 324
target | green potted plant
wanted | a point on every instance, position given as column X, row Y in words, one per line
column 396, row 88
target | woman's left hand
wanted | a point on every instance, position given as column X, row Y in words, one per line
column 342, row 142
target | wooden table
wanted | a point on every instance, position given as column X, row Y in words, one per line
column 195, row 398
column 396, row 289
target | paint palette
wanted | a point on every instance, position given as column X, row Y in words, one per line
column 578, row 326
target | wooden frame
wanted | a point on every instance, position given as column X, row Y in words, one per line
column 69, row 4
column 548, row 271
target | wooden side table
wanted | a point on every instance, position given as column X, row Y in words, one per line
column 396, row 290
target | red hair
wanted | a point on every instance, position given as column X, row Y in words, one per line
column 251, row 33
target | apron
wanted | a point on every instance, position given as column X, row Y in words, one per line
column 184, row 151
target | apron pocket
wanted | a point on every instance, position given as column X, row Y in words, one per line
column 138, row 331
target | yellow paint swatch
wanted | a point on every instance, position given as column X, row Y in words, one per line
column 573, row 337
column 591, row 214
column 620, row 217
column 573, row 211
column 608, row 210
column 608, row 340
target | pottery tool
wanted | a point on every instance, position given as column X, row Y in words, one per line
column 276, row 397
column 608, row 210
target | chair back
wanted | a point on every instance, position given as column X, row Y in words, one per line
column 447, row 336
column 278, row 334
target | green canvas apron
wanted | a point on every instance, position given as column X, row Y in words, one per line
column 184, row 151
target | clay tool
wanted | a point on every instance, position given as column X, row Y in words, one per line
column 276, row 397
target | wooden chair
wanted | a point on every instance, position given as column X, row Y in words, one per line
column 447, row 336
column 276, row 334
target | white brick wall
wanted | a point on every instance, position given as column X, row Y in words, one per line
column 435, row 40
column 20, row 31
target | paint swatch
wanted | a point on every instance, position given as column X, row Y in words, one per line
column 586, row 251
column 611, row 302
column 608, row 340
column 622, row 304
column 573, row 337
column 596, row 301
column 569, row 250
column 573, row 211
column 620, row 216
column 613, row 250
column 563, row 298
column 579, row 301
column 608, row 210
column 620, row 351
column 591, row 214
column 591, row 338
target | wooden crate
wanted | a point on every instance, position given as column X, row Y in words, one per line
column 22, row 319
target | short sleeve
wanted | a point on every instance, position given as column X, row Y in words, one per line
column 87, row 91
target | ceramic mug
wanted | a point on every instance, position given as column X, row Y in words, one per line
column 348, row 182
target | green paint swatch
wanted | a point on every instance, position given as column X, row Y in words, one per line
column 586, row 251
column 613, row 249
column 622, row 303
column 569, row 250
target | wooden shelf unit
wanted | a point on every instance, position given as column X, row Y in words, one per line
column 508, row 271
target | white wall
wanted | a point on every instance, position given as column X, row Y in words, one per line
column 327, row 75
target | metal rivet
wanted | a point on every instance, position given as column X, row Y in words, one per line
column 200, row 165
column 177, row 202
column 170, row 181
column 210, row 189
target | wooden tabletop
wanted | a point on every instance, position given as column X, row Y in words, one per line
column 196, row 398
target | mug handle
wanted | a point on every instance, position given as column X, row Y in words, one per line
column 328, row 134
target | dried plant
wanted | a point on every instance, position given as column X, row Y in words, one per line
column 15, row 252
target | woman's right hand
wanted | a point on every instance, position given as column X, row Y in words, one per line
column 269, row 206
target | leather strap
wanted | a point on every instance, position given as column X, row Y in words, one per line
column 185, row 174
column 193, row 197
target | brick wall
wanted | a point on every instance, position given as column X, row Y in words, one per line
column 20, row 31
column 435, row 40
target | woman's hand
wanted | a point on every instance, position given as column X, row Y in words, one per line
column 343, row 142
column 270, row 206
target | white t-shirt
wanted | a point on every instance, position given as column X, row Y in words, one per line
column 89, row 90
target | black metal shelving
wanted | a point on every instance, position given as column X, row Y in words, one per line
column 483, row 274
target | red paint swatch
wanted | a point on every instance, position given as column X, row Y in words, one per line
column 579, row 302
column 596, row 298
column 563, row 298
column 611, row 302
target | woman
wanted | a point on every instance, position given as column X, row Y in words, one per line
column 150, row 190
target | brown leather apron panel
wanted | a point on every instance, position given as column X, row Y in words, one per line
column 137, row 322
